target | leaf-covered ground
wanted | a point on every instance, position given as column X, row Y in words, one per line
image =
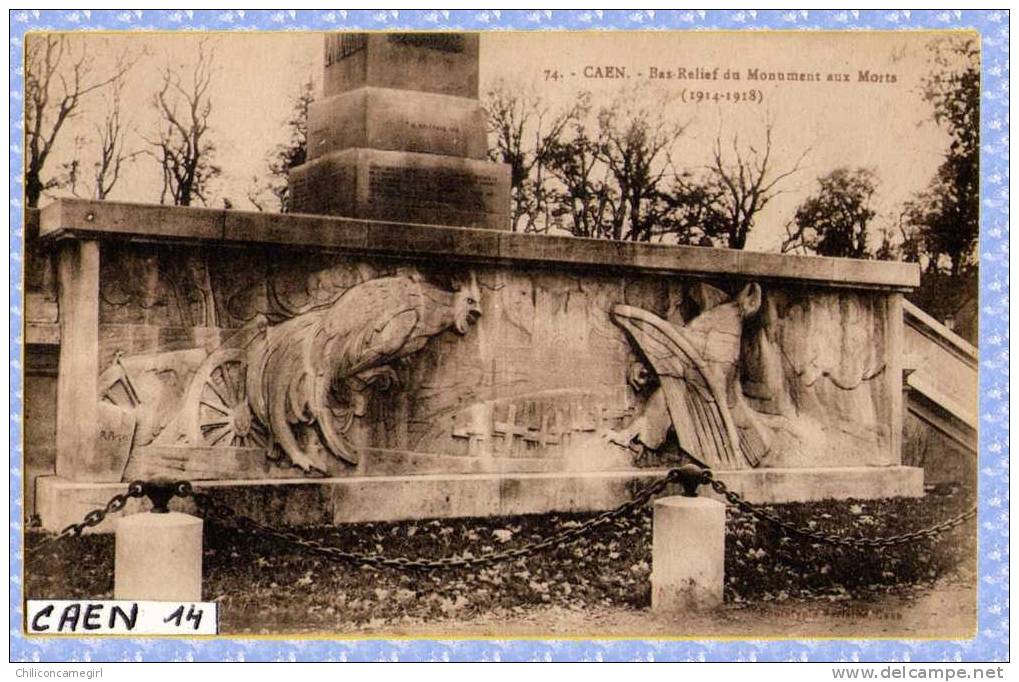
column 263, row 586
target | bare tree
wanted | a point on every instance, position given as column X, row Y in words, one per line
column 182, row 148
column 747, row 182
column 110, row 143
column 59, row 75
column 111, row 135
column 256, row 194
column 611, row 172
column 635, row 141
column 525, row 131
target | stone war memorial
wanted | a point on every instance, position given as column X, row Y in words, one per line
column 391, row 349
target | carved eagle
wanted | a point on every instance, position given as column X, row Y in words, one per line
column 698, row 371
column 308, row 371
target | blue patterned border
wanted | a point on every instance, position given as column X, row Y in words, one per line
column 991, row 642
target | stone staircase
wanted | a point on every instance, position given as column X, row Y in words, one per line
column 941, row 391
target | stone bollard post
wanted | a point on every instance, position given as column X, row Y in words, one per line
column 687, row 554
column 158, row 556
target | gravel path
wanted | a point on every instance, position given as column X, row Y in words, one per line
column 945, row 611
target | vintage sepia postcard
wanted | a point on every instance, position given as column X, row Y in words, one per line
column 431, row 335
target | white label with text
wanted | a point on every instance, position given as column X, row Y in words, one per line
column 121, row 617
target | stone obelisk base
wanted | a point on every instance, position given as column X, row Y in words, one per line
column 404, row 187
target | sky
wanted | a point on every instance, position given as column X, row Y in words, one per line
column 885, row 126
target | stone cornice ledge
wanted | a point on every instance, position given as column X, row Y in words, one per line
column 82, row 219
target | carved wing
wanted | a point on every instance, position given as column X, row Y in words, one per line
column 697, row 405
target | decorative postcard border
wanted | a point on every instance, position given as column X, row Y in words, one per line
column 991, row 642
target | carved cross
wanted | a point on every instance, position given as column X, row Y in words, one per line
column 508, row 428
column 475, row 430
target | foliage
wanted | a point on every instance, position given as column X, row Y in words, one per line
column 285, row 156
column 945, row 216
column 264, row 587
column 941, row 223
column 763, row 565
column 834, row 221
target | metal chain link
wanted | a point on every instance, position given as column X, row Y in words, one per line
column 790, row 529
column 215, row 510
column 93, row 518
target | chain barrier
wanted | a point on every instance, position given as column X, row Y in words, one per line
column 793, row 530
column 221, row 512
column 93, row 518
column 214, row 510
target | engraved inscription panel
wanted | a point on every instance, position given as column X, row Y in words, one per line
column 443, row 42
column 427, row 187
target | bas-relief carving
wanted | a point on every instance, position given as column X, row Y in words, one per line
column 553, row 377
column 149, row 286
column 832, row 350
column 540, row 336
column 562, row 427
column 299, row 385
column 150, row 386
column 316, row 368
column 224, row 288
column 760, row 381
column 697, row 367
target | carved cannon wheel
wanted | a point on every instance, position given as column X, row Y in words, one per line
column 217, row 408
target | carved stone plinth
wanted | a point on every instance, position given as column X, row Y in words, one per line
column 442, row 63
column 404, row 186
column 400, row 134
column 397, row 120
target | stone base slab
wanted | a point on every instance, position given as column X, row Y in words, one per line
column 404, row 186
column 60, row 502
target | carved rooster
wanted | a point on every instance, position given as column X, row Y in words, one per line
column 311, row 370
